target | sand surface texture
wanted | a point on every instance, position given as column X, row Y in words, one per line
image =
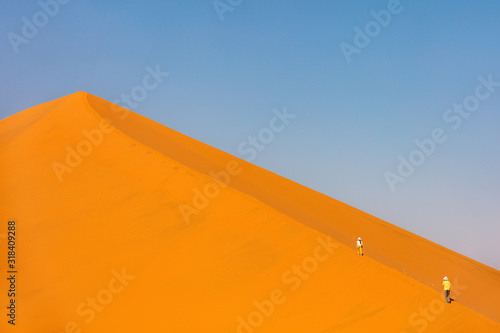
column 121, row 227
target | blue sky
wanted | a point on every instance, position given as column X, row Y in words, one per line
column 355, row 114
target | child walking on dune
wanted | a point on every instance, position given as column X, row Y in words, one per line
column 447, row 286
column 359, row 246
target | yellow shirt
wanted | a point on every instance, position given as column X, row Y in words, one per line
column 446, row 285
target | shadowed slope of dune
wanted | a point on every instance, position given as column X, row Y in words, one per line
column 103, row 245
column 419, row 258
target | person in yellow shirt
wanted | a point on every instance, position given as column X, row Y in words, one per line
column 447, row 286
column 359, row 246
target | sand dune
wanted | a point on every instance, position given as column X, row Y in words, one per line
column 122, row 228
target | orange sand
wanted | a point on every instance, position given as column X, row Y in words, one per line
column 105, row 247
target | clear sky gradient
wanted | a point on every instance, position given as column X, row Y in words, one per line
column 357, row 112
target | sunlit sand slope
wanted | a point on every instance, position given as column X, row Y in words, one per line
column 121, row 228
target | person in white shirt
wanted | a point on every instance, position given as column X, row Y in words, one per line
column 359, row 246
